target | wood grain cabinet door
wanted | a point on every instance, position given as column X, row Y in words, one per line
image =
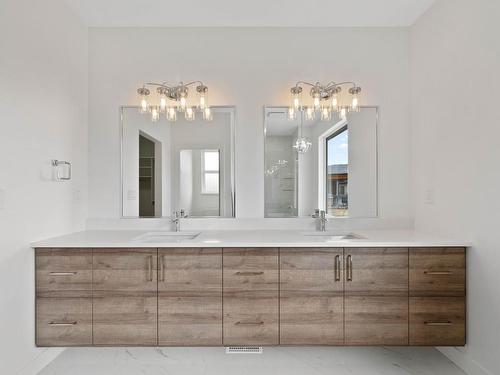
column 311, row 296
column 376, row 296
column 63, row 272
column 125, row 297
column 250, row 296
column 190, row 297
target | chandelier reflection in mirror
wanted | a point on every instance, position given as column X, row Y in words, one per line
column 171, row 100
column 324, row 100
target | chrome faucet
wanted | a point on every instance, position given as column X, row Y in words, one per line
column 176, row 219
column 320, row 215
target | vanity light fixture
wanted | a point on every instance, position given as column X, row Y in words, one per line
column 173, row 99
column 325, row 100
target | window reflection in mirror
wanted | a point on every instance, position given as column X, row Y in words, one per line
column 169, row 166
column 338, row 173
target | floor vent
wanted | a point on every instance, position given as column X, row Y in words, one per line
column 244, row 350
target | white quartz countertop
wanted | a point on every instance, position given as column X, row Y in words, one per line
column 245, row 238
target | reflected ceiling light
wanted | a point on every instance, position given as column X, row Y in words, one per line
column 325, row 99
column 173, row 99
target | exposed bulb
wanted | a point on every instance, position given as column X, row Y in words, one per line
column 155, row 113
column 144, row 105
column 326, row 115
column 354, row 104
column 202, row 101
column 310, row 114
column 292, row 114
column 335, row 103
column 189, row 114
column 317, row 102
column 207, row 114
column 302, row 145
column 343, row 114
column 182, row 104
column 171, row 114
column 296, row 101
column 163, row 103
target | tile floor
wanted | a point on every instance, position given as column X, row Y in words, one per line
column 274, row 361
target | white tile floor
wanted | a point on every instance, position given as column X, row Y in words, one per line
column 274, row 361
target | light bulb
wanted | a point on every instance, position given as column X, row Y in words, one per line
column 292, row 114
column 335, row 103
column 144, row 105
column 163, row 103
column 355, row 104
column 189, row 114
column 143, row 94
column 343, row 114
column 296, row 101
column 155, row 113
column 302, row 145
column 202, row 101
column 326, row 115
column 207, row 114
column 171, row 114
column 317, row 102
column 183, row 102
column 310, row 113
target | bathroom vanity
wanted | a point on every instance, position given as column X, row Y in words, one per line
column 102, row 289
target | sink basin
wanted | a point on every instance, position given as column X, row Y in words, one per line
column 333, row 236
column 168, row 237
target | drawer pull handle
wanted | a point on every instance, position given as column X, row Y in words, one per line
column 62, row 273
column 349, row 268
column 150, row 267
column 162, row 268
column 438, row 323
column 438, row 272
column 337, row 267
column 239, row 273
column 249, row 323
column 62, row 324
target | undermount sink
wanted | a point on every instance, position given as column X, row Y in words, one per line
column 158, row 237
column 333, row 236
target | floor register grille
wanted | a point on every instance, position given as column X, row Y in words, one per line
column 244, row 350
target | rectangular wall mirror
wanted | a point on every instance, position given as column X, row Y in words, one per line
column 338, row 173
column 181, row 165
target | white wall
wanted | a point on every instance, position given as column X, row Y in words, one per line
column 455, row 57
column 248, row 68
column 43, row 108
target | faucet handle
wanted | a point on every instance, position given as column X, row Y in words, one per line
column 316, row 213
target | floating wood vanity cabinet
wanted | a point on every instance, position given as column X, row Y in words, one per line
column 376, row 296
column 437, row 296
column 251, row 284
column 190, row 297
column 125, row 297
column 250, row 296
column 311, row 296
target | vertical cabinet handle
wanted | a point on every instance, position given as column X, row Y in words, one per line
column 162, row 268
column 150, row 267
column 349, row 268
column 337, row 267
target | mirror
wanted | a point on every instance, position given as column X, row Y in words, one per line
column 173, row 166
column 338, row 172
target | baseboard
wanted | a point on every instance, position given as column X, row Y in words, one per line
column 39, row 362
column 470, row 366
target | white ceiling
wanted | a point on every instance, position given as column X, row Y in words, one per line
column 250, row 13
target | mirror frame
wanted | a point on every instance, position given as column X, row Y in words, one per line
column 377, row 157
column 232, row 167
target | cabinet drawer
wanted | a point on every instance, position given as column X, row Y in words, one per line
column 63, row 321
column 437, row 321
column 247, row 270
column 250, row 296
column 251, row 320
column 63, row 272
column 437, row 272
